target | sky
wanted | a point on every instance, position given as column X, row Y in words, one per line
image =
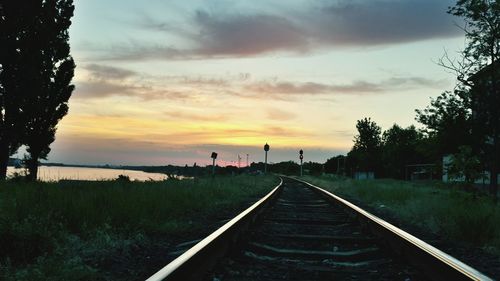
column 168, row 82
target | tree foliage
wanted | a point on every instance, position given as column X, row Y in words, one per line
column 365, row 154
column 465, row 165
column 335, row 165
column 447, row 121
column 13, row 27
column 481, row 26
column 400, row 148
column 478, row 73
column 37, row 70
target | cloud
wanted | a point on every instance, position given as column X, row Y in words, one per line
column 278, row 89
column 100, row 88
column 103, row 89
column 305, row 29
column 193, row 88
column 109, row 72
column 380, row 22
column 104, row 81
column 247, row 35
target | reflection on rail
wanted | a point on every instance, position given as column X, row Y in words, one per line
column 299, row 231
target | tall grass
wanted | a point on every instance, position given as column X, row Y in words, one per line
column 442, row 209
column 44, row 225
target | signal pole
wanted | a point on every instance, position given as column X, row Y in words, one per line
column 301, row 156
column 266, row 149
column 213, row 156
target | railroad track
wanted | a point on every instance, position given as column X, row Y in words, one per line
column 301, row 232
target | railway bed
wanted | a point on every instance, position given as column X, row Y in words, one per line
column 301, row 232
column 304, row 237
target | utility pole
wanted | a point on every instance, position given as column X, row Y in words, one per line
column 266, row 149
column 247, row 160
column 213, row 156
column 239, row 161
column 301, row 156
column 338, row 165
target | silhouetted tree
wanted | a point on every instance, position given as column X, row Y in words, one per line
column 478, row 73
column 335, row 165
column 14, row 24
column 313, row 168
column 50, row 68
column 285, row 167
column 465, row 165
column 400, row 148
column 448, row 122
column 365, row 154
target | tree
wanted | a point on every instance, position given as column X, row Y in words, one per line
column 400, row 148
column 335, row 165
column 465, row 165
column 365, row 154
column 313, row 168
column 13, row 35
column 53, row 69
column 478, row 73
column 44, row 70
column 448, row 122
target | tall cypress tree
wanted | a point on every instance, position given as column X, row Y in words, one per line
column 51, row 70
column 15, row 21
column 35, row 76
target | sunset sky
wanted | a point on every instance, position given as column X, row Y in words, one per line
column 168, row 82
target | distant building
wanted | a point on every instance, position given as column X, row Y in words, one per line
column 446, row 178
column 15, row 162
column 364, row 175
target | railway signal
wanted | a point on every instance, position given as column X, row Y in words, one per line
column 266, row 149
column 301, row 156
column 213, row 156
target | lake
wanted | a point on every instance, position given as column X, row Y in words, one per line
column 82, row 173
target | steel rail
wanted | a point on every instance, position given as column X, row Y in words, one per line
column 435, row 263
column 191, row 264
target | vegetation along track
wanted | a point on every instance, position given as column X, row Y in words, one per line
column 301, row 232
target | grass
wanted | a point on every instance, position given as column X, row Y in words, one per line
column 75, row 230
column 442, row 209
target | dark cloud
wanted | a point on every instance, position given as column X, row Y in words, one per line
column 341, row 24
column 247, row 35
column 378, row 22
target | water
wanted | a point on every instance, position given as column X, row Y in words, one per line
column 81, row 173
